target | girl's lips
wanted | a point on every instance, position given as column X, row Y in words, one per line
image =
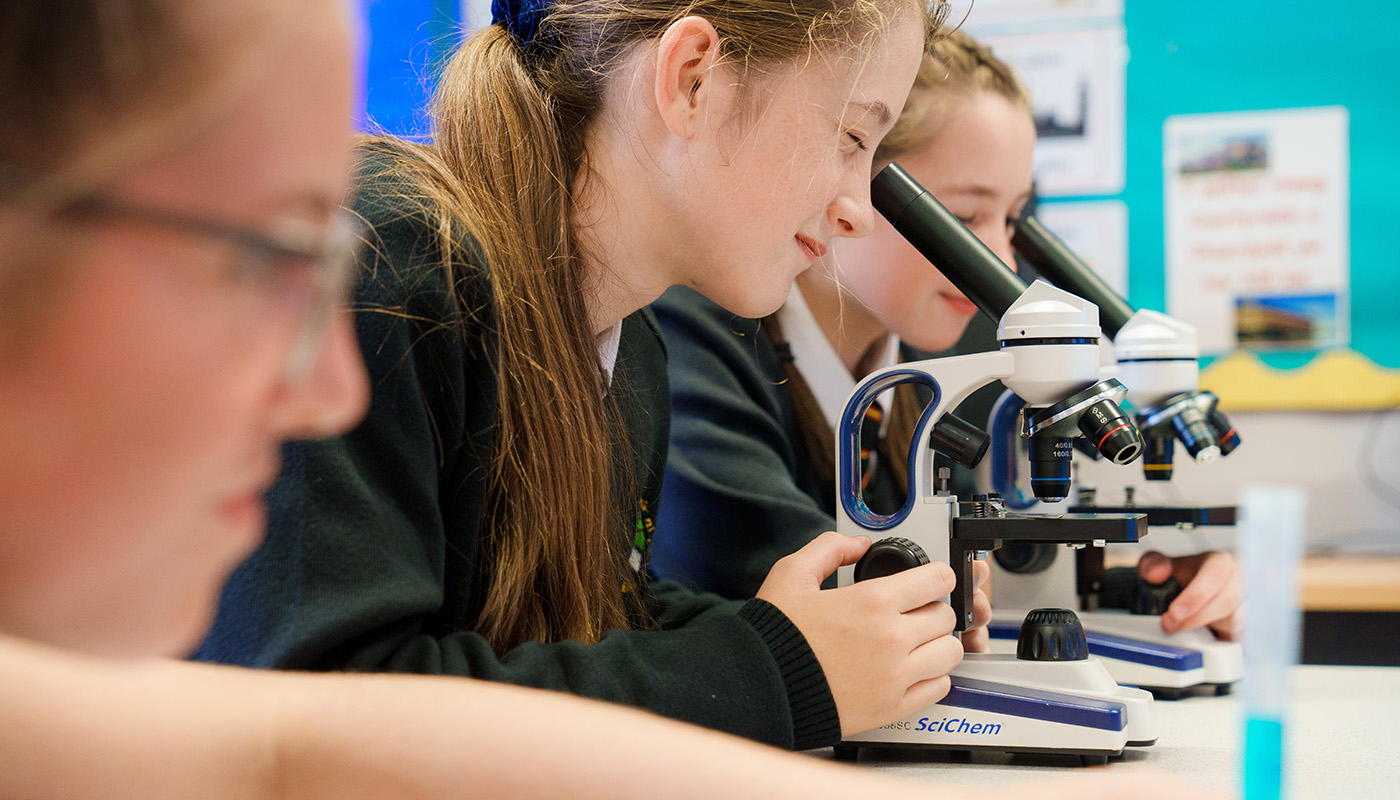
column 813, row 248
column 960, row 305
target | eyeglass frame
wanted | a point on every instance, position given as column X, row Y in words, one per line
column 335, row 256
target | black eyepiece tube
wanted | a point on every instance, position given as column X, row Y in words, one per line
column 945, row 242
column 1046, row 252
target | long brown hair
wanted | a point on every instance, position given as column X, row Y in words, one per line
column 955, row 68
column 511, row 131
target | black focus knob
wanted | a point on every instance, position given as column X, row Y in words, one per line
column 1154, row 598
column 1021, row 558
column 1052, row 634
column 888, row 556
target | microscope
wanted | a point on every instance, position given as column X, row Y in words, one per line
column 1052, row 695
column 1156, row 359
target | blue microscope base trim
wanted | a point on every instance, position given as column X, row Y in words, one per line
column 1021, row 701
column 1123, row 648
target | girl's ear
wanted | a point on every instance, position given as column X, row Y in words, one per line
column 685, row 58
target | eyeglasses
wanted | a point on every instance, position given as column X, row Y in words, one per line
column 328, row 262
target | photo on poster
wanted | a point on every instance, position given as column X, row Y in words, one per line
column 1286, row 322
column 1235, row 152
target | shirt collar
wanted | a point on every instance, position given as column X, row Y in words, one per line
column 828, row 378
column 608, row 343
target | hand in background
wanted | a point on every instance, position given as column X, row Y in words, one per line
column 1210, row 593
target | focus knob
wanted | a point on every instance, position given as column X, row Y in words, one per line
column 1052, row 634
column 1154, row 598
column 888, row 556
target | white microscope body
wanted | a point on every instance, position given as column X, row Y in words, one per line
column 1052, row 697
column 1156, row 357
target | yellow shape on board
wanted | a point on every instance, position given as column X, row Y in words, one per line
column 1336, row 380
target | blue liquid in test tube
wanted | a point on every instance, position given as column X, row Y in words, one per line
column 1271, row 543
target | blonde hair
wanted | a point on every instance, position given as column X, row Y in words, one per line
column 509, row 150
column 955, row 67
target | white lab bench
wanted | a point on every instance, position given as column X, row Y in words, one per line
column 1342, row 740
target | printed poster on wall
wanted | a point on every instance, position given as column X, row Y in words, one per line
column 1076, row 81
column 1257, row 227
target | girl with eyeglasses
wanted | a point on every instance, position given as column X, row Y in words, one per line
column 172, row 268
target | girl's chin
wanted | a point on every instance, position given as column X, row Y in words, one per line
column 936, row 341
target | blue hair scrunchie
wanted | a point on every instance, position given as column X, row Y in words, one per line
column 522, row 18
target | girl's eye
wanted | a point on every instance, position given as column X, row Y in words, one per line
column 860, row 143
column 967, row 221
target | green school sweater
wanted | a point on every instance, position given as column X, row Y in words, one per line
column 373, row 554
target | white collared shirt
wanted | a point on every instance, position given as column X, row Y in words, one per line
column 608, row 342
column 821, row 366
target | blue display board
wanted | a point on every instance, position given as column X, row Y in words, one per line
column 1247, row 55
column 407, row 41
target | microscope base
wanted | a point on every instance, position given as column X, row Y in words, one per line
column 1004, row 704
column 1137, row 653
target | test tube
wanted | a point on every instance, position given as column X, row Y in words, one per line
column 1271, row 542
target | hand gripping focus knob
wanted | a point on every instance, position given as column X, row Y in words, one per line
column 1052, row 634
column 888, row 556
column 1154, row 598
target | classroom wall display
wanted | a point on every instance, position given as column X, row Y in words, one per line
column 1071, row 56
column 1182, row 62
column 1002, row 16
column 1254, row 56
column 1075, row 80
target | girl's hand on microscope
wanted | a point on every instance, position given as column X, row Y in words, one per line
column 1210, row 593
column 976, row 639
column 884, row 644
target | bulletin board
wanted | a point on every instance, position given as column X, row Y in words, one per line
column 1249, row 55
column 1182, row 65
